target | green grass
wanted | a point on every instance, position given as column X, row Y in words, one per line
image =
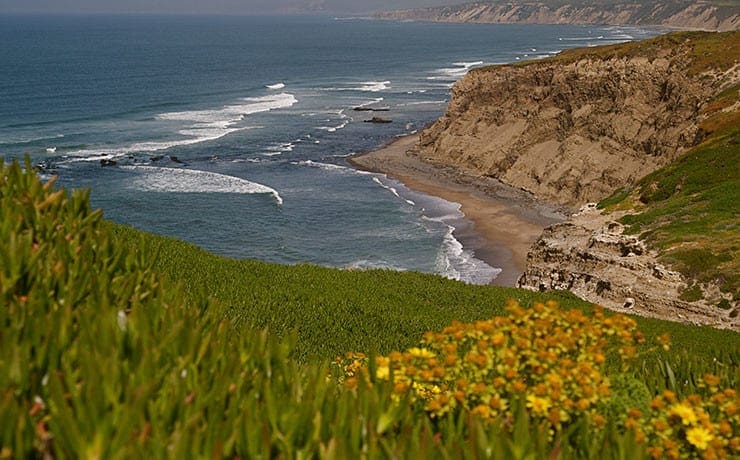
column 689, row 211
column 119, row 344
column 704, row 50
column 698, row 51
column 334, row 311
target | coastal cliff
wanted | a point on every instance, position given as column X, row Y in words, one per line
column 704, row 15
column 574, row 128
column 592, row 256
column 657, row 120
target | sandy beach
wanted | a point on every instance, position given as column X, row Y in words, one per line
column 505, row 221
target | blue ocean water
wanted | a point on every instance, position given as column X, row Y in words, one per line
column 233, row 132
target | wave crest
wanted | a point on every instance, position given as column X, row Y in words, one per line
column 178, row 180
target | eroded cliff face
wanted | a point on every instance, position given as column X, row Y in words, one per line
column 576, row 128
column 572, row 132
column 591, row 256
column 681, row 14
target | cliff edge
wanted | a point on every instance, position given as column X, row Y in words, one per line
column 573, row 128
column 659, row 122
column 703, row 15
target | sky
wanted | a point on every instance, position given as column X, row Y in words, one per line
column 211, row 6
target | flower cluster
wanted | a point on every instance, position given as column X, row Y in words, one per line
column 549, row 359
column 693, row 427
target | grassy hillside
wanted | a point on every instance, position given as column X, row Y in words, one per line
column 334, row 311
column 701, row 51
column 119, row 344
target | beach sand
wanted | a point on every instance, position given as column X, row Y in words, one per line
column 506, row 221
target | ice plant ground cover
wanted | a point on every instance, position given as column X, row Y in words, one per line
column 548, row 365
column 119, row 344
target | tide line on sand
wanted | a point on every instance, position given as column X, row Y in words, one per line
column 507, row 221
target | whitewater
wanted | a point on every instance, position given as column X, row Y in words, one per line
column 233, row 132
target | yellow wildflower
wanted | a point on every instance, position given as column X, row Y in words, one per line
column 538, row 405
column 685, row 412
column 498, row 339
column 699, row 437
column 481, row 411
column 382, row 373
column 417, row 352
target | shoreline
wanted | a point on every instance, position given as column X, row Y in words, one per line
column 505, row 221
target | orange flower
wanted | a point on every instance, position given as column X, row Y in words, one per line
column 519, row 386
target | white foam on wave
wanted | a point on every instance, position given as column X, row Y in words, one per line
column 199, row 126
column 342, row 116
column 279, row 149
column 455, row 262
column 467, row 64
column 365, row 264
column 454, row 73
column 28, row 140
column 332, row 129
column 324, row 166
column 393, row 190
column 366, row 86
column 443, row 101
column 229, row 114
column 375, row 86
column 371, row 102
column 178, row 180
column 109, row 154
column 276, row 86
column 619, row 36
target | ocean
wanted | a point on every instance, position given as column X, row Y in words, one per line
column 233, row 132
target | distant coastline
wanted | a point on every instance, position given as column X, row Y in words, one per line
column 506, row 221
column 704, row 15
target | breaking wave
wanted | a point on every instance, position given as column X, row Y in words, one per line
column 178, row 180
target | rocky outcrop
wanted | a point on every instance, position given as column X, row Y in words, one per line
column 590, row 256
column 703, row 15
column 575, row 128
column 572, row 129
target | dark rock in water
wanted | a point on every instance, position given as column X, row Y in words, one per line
column 174, row 159
column 105, row 163
column 46, row 165
column 378, row 120
column 156, row 158
column 371, row 109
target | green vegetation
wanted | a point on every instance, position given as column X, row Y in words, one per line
column 692, row 293
column 119, row 344
column 335, row 311
column 700, row 51
column 332, row 311
column 689, row 209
